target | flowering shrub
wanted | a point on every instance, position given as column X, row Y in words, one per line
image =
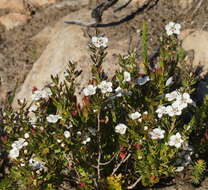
column 130, row 130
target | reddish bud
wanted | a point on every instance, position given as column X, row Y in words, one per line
column 74, row 113
column 122, row 155
column 34, row 89
column 82, row 184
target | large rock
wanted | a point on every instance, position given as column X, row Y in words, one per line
column 12, row 4
column 69, row 42
column 13, row 20
column 43, row 2
column 197, row 40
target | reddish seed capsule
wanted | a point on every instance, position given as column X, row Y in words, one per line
column 82, row 184
column 34, row 89
column 122, row 155
column 74, row 113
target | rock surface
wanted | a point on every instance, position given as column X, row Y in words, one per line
column 185, row 4
column 68, row 42
column 197, row 40
column 13, row 20
column 14, row 5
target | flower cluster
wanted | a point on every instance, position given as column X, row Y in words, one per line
column 16, row 147
column 104, row 86
column 157, row 133
column 99, row 41
column 174, row 140
column 181, row 101
column 41, row 94
column 37, row 165
column 172, row 28
column 53, row 118
column 121, row 128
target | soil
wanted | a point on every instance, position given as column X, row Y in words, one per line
column 17, row 53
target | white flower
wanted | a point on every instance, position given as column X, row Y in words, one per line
column 184, row 100
column 119, row 91
column 37, row 95
column 26, row 135
column 33, row 108
column 135, row 115
column 62, row 145
column 173, row 110
column 175, row 140
column 127, row 76
column 99, row 41
column 14, row 153
column 89, row 90
column 126, row 56
column 157, row 133
column 79, row 133
column 121, row 128
column 105, row 87
column 142, row 80
column 172, row 28
column 161, row 110
column 145, row 112
column 179, row 169
column 36, row 165
column 145, row 128
column 46, row 93
column 169, row 81
column 59, row 140
column 87, row 139
column 67, row 134
column 52, row 118
column 173, row 95
column 19, row 144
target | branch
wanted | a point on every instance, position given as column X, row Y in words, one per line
column 135, row 183
column 108, row 162
column 116, row 23
column 123, row 6
column 197, row 7
column 97, row 13
column 99, row 146
column 120, row 163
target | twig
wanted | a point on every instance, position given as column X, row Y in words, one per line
column 97, row 13
column 81, row 23
column 134, row 184
column 71, row 161
column 120, row 163
column 122, row 20
column 123, row 6
column 108, row 162
column 197, row 7
column 99, row 146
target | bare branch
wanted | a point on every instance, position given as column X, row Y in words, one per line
column 197, row 7
column 108, row 162
column 134, row 184
column 123, row 6
column 147, row 6
column 120, row 163
column 99, row 146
